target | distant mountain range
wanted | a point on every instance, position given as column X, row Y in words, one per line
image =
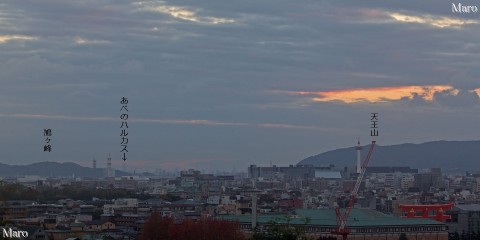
column 53, row 169
column 451, row 156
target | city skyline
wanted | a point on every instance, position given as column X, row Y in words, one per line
column 216, row 86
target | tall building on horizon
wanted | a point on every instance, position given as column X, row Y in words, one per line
column 359, row 155
column 110, row 172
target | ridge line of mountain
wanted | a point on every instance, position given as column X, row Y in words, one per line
column 448, row 155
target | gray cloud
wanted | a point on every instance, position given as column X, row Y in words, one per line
column 85, row 55
column 464, row 99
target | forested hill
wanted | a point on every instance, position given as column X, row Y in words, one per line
column 449, row 155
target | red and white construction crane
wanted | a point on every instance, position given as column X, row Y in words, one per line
column 342, row 216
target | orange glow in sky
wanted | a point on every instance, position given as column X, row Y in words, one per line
column 477, row 91
column 380, row 94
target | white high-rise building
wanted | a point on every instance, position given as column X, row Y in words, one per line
column 359, row 155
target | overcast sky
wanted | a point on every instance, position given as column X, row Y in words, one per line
column 225, row 84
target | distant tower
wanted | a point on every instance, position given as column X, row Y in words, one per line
column 110, row 172
column 359, row 149
column 94, row 163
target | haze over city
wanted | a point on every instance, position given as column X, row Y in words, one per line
column 222, row 85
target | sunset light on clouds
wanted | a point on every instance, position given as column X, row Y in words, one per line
column 477, row 91
column 181, row 13
column 435, row 21
column 380, row 94
column 8, row 38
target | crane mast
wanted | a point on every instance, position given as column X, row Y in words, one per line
column 342, row 217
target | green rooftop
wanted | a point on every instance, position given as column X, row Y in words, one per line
column 326, row 217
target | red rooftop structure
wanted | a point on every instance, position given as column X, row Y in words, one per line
column 434, row 211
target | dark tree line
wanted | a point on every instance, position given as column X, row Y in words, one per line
column 45, row 194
